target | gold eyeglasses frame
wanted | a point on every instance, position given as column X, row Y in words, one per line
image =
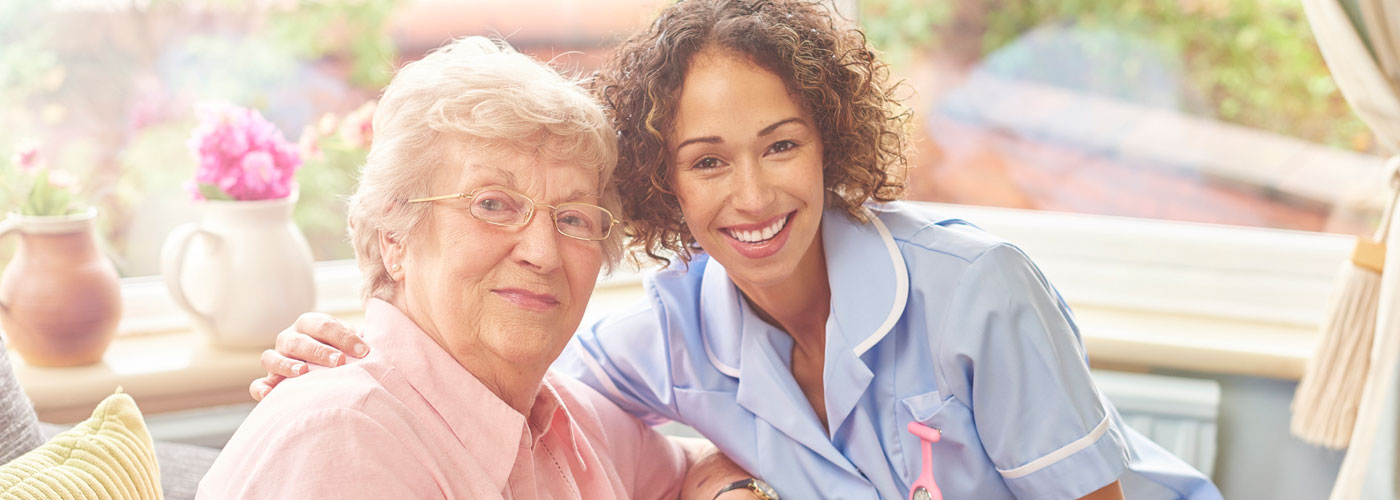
column 530, row 214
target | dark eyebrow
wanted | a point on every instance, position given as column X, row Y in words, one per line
column 769, row 129
column 708, row 140
column 716, row 140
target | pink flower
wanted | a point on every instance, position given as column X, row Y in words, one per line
column 309, row 144
column 27, row 156
column 358, row 128
column 327, row 124
column 242, row 154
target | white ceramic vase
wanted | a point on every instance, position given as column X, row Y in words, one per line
column 243, row 272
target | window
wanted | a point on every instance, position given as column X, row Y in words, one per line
column 1215, row 111
column 107, row 90
column 1218, row 111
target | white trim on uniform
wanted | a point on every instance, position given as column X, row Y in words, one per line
column 714, row 360
column 901, row 289
column 1060, row 454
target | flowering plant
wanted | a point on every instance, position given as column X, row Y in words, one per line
column 39, row 189
column 335, row 137
column 334, row 148
column 242, row 156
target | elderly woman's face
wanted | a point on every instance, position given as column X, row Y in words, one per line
column 514, row 294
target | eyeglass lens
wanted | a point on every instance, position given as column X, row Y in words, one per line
column 578, row 220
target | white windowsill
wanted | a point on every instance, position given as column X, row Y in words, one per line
column 1147, row 294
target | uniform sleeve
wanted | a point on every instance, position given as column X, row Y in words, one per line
column 1013, row 355
column 626, row 357
column 334, row 453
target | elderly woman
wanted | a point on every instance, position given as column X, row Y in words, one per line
column 481, row 222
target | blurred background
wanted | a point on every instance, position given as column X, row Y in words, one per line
column 1218, row 111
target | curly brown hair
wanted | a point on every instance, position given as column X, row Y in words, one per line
column 845, row 87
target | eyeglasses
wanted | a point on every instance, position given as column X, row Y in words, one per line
column 503, row 207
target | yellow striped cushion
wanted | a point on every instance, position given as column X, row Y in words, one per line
column 108, row 456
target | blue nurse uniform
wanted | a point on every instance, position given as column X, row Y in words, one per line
column 932, row 320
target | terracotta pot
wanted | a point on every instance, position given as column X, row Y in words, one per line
column 60, row 300
column 243, row 273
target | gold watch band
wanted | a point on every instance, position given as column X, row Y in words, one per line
column 759, row 489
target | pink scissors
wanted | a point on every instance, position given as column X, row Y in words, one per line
column 924, row 488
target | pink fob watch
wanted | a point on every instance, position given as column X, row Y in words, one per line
column 924, row 488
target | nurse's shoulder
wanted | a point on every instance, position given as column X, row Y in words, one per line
column 626, row 354
column 928, row 238
column 676, row 288
column 669, row 297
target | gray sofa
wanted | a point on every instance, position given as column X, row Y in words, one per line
column 181, row 465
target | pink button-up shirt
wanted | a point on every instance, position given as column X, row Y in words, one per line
column 409, row 422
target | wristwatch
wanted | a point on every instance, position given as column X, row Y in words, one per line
column 758, row 487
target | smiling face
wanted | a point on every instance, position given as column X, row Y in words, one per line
column 748, row 168
column 503, row 296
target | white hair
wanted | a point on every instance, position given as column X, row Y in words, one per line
column 472, row 91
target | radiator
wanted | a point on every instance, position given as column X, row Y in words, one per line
column 1178, row 413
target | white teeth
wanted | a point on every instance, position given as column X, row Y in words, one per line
column 770, row 231
column 761, row 235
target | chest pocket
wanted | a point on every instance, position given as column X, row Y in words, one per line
column 927, row 409
column 960, row 465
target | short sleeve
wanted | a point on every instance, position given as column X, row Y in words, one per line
column 1012, row 354
column 625, row 357
column 334, row 453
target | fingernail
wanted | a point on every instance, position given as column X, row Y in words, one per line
column 263, row 394
column 299, row 368
column 336, row 359
column 361, row 350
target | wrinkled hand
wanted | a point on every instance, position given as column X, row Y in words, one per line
column 316, row 338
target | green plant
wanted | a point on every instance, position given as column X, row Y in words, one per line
column 333, row 150
column 357, row 28
column 34, row 189
column 109, row 91
column 900, row 27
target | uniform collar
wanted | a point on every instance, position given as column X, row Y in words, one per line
column 869, row 280
column 741, row 345
column 869, row 290
column 485, row 425
column 869, row 284
column 721, row 316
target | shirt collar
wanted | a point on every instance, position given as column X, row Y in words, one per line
column 868, row 277
column 552, row 409
column 484, row 424
column 869, row 290
column 721, row 316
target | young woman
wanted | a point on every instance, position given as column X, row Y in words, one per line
column 806, row 318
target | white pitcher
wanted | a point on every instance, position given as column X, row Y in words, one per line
column 243, row 272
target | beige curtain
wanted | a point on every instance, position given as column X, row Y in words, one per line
column 1360, row 39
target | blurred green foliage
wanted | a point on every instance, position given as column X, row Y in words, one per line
column 1253, row 62
column 333, row 150
column 356, row 28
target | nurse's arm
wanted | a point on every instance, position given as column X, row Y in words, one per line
column 711, row 471
column 1111, row 492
